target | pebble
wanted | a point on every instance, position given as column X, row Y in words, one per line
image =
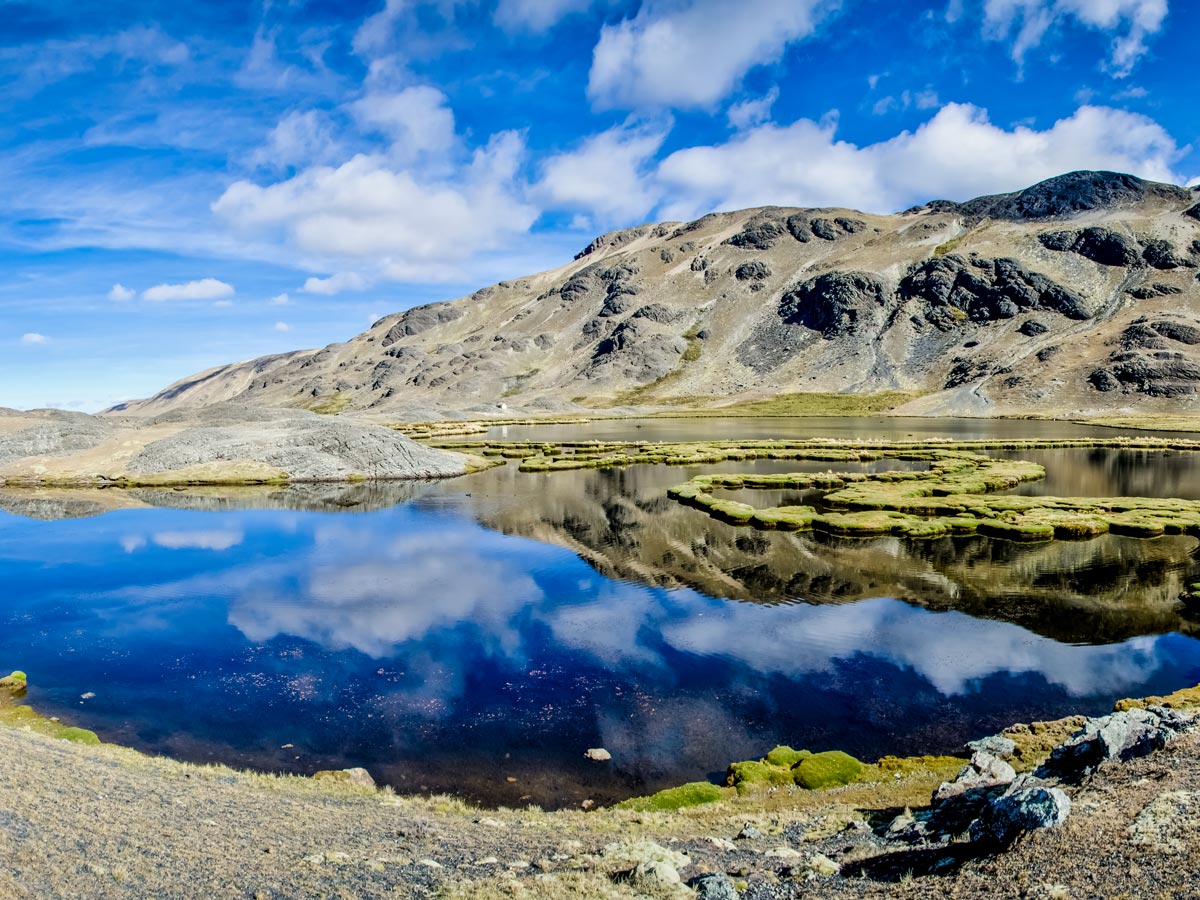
column 597, row 754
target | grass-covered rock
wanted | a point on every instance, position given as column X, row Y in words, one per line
column 833, row 768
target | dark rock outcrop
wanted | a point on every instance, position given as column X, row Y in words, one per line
column 835, row 303
column 1160, row 254
column 1120, row 736
column 1032, row 328
column 752, row 271
column 954, row 290
column 1101, row 245
column 759, row 234
column 1067, row 195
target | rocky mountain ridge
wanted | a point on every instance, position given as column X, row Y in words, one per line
column 1076, row 296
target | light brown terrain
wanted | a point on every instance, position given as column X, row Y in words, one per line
column 1075, row 297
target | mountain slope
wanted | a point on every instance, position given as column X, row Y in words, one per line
column 1078, row 295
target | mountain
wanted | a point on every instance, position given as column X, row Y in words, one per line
column 1078, row 295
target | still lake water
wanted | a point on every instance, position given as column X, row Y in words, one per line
column 452, row 635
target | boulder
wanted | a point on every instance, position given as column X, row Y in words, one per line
column 1026, row 806
column 597, row 754
column 997, row 745
column 1120, row 736
column 713, row 886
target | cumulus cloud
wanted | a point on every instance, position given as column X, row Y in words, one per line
column 692, row 54
column 958, row 154
column 1027, row 22
column 120, row 293
column 535, row 16
column 334, row 284
column 417, row 120
column 405, row 223
column 283, row 327
column 606, row 175
column 32, row 338
column 280, row 300
column 204, row 289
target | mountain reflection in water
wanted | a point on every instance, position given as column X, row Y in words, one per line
column 452, row 635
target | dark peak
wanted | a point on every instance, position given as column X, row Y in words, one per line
column 1067, row 195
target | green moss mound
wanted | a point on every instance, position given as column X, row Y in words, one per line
column 787, row 757
column 833, row 768
column 754, row 775
column 19, row 676
column 697, row 793
column 78, row 736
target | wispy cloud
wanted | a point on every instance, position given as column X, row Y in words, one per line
column 32, row 339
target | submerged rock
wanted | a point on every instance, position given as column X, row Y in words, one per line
column 597, row 754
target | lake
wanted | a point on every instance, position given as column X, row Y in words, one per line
column 475, row 636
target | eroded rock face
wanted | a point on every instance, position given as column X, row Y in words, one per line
column 836, row 303
column 752, row 271
column 1101, row 245
column 1155, row 359
column 420, row 319
column 954, row 289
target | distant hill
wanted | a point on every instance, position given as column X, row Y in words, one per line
column 1077, row 295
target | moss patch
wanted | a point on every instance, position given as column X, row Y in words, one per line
column 833, row 768
column 697, row 793
column 787, row 757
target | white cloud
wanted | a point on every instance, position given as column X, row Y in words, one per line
column 956, row 154
column 196, row 540
column 33, row 338
column 375, row 33
column 298, row 139
column 749, row 113
column 1130, row 22
column 416, row 119
column 403, row 222
column 606, row 175
column 223, row 304
column 692, row 54
column 335, row 284
column 536, row 16
column 204, row 289
column 283, row 327
column 280, row 300
column 120, row 293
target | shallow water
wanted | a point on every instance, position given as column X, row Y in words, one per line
column 452, row 635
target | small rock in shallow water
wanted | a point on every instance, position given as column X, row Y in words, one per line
column 597, row 754
column 714, row 886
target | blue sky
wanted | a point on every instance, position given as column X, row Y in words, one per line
column 194, row 183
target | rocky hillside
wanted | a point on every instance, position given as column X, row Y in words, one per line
column 1078, row 295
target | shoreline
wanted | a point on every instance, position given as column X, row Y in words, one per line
column 309, row 835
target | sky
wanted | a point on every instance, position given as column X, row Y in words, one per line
column 189, row 184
